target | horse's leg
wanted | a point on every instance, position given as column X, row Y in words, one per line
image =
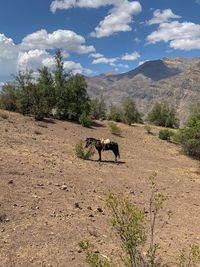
column 115, row 153
column 99, row 151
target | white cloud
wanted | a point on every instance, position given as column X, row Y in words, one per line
column 198, row 2
column 67, row 4
column 104, row 60
column 183, row 36
column 118, row 19
column 8, row 55
column 35, row 59
column 133, row 56
column 67, row 40
column 96, row 55
column 32, row 59
column 162, row 16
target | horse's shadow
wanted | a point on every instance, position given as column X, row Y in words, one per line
column 119, row 162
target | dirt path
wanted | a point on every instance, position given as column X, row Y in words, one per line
column 49, row 199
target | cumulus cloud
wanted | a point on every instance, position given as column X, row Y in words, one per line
column 183, row 36
column 110, row 61
column 67, row 40
column 133, row 56
column 8, row 55
column 96, row 55
column 35, row 59
column 105, row 60
column 118, row 19
column 162, row 16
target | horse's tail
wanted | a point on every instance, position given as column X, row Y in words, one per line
column 118, row 151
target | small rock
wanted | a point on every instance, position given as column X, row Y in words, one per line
column 63, row 187
column 99, row 210
column 77, row 206
column 10, row 182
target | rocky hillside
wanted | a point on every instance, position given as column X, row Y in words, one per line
column 175, row 80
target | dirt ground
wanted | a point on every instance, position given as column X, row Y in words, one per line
column 50, row 200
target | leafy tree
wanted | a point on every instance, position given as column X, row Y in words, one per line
column 130, row 112
column 79, row 101
column 115, row 113
column 24, row 85
column 164, row 115
column 189, row 135
column 43, row 95
column 98, row 108
column 8, row 97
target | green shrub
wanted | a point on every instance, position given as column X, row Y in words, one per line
column 189, row 135
column 162, row 114
column 85, row 120
column 83, row 153
column 114, row 129
column 165, row 134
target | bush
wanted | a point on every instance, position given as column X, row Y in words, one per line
column 83, row 153
column 114, row 129
column 163, row 115
column 85, row 120
column 165, row 134
column 189, row 135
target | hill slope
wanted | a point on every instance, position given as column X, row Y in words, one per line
column 49, row 199
column 176, row 80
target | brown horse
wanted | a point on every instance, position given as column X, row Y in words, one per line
column 101, row 147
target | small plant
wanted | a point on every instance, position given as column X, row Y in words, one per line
column 165, row 134
column 82, row 153
column 190, row 258
column 92, row 258
column 114, row 129
column 148, row 129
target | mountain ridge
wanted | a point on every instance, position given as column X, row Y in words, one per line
column 174, row 80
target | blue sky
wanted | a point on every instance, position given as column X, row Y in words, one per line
column 96, row 36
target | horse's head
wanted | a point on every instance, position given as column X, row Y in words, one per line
column 88, row 142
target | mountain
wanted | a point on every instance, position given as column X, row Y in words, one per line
column 175, row 80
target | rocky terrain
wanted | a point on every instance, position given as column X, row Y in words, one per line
column 50, row 200
column 175, row 80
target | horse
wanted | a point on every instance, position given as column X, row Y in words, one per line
column 101, row 147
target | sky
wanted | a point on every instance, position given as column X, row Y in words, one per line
column 95, row 36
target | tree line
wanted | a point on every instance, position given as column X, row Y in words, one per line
column 64, row 96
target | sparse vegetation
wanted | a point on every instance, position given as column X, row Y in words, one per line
column 83, row 153
column 162, row 114
column 114, row 129
column 165, row 134
column 130, row 224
